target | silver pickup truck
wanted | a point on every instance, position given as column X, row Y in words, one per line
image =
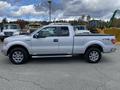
column 57, row 40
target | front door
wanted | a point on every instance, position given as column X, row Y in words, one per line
column 45, row 42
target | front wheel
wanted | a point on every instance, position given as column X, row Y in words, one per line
column 93, row 55
column 18, row 56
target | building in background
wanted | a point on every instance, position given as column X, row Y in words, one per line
column 34, row 26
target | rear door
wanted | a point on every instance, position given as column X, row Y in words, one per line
column 65, row 40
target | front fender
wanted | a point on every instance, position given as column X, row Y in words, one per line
column 24, row 44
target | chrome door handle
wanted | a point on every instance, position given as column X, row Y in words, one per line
column 55, row 40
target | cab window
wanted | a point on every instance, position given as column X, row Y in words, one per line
column 63, row 31
column 48, row 32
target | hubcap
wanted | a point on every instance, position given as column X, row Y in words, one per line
column 94, row 56
column 17, row 56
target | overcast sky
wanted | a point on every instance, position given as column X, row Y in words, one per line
column 38, row 9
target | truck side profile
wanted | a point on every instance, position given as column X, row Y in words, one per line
column 57, row 40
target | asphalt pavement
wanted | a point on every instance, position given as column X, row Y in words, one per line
column 61, row 74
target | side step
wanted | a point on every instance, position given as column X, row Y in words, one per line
column 51, row 56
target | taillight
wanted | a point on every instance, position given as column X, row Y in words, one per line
column 113, row 41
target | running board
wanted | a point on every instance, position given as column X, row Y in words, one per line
column 52, row 56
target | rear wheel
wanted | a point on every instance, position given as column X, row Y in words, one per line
column 93, row 55
column 18, row 56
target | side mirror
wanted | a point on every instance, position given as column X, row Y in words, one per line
column 35, row 36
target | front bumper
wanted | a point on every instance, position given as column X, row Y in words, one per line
column 4, row 51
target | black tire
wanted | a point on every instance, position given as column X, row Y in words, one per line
column 93, row 58
column 24, row 56
column 81, row 56
column 30, row 57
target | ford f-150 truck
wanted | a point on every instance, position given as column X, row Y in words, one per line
column 57, row 40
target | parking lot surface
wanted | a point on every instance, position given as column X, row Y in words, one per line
column 61, row 74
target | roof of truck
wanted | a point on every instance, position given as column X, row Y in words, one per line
column 59, row 24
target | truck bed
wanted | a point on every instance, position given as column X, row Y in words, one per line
column 92, row 34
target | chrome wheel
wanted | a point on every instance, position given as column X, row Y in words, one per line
column 94, row 56
column 18, row 56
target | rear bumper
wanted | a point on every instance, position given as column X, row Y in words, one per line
column 109, row 49
column 113, row 49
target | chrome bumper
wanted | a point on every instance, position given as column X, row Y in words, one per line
column 113, row 49
column 109, row 50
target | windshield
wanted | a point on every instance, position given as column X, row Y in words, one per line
column 35, row 31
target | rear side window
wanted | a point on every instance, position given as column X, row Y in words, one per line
column 63, row 31
column 79, row 28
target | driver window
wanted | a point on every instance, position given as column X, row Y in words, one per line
column 48, row 32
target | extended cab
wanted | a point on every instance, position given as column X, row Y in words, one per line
column 57, row 40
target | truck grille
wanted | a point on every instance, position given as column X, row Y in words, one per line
column 8, row 33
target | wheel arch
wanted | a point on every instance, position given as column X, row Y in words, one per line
column 17, row 46
column 95, row 46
